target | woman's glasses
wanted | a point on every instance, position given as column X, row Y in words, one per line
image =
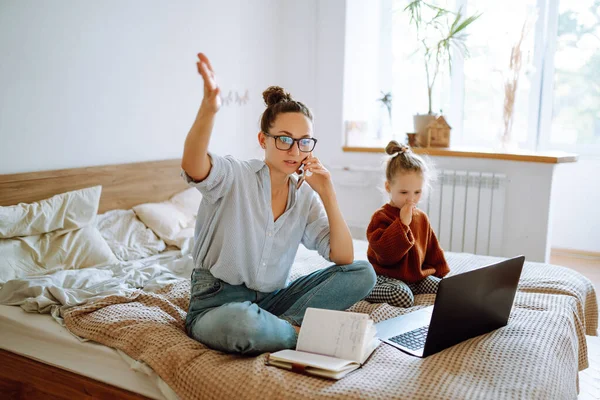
column 282, row 142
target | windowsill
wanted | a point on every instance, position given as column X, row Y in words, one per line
column 547, row 157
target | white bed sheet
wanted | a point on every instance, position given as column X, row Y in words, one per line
column 43, row 338
column 39, row 337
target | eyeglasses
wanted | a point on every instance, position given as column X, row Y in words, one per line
column 282, row 142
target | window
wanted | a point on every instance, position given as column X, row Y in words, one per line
column 486, row 72
column 409, row 79
column 571, row 101
column 557, row 100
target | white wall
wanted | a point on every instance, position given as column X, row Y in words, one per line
column 91, row 83
column 297, row 63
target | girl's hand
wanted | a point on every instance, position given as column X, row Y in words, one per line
column 212, row 99
column 316, row 175
column 406, row 213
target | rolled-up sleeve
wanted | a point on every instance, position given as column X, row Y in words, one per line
column 316, row 233
column 219, row 179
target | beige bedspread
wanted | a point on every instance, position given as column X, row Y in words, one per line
column 536, row 356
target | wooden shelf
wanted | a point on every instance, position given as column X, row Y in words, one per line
column 549, row 157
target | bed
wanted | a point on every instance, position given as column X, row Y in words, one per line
column 37, row 371
column 538, row 355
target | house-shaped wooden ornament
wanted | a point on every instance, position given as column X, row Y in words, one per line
column 438, row 133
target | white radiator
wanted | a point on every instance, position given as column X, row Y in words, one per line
column 466, row 211
column 465, row 208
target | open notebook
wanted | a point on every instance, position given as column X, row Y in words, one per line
column 331, row 344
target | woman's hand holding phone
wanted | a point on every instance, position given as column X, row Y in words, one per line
column 315, row 174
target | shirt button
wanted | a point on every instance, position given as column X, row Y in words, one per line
column 264, row 264
column 269, row 233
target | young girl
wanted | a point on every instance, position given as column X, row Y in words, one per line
column 402, row 246
column 251, row 221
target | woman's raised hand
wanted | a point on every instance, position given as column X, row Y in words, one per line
column 212, row 99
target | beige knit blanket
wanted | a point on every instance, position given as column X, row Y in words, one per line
column 536, row 356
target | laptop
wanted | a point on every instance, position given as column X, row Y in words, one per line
column 466, row 305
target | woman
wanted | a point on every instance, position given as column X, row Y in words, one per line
column 252, row 219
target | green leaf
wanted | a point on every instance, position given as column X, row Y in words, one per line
column 463, row 25
column 414, row 9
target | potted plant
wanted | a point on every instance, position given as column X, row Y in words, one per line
column 438, row 32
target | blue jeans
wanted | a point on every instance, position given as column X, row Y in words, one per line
column 235, row 319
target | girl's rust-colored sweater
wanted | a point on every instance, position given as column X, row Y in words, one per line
column 409, row 253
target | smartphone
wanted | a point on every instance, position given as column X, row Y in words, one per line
column 302, row 175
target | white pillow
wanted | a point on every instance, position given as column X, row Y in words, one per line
column 66, row 211
column 188, row 201
column 172, row 220
column 127, row 236
column 32, row 255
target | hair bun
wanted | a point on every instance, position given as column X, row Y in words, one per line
column 275, row 94
column 394, row 148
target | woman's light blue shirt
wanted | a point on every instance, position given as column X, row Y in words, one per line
column 236, row 237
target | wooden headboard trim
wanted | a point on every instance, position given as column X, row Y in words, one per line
column 123, row 185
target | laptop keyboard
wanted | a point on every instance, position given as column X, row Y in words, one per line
column 413, row 340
